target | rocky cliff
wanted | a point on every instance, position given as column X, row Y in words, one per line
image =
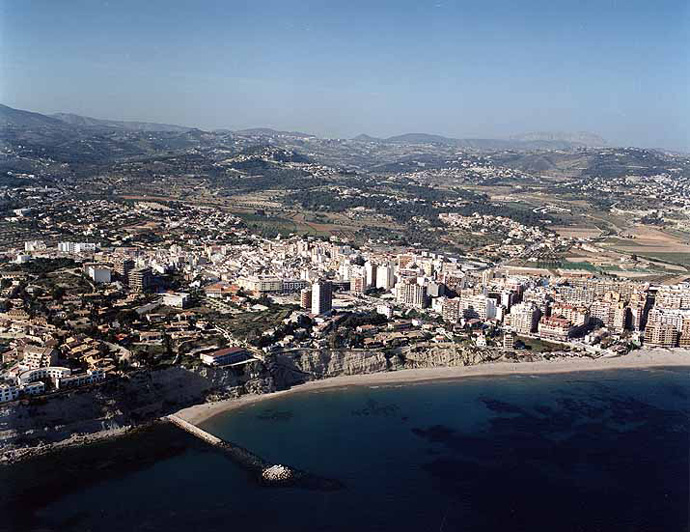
column 139, row 397
column 125, row 401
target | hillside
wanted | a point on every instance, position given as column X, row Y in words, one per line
column 17, row 118
column 88, row 122
column 268, row 132
column 582, row 138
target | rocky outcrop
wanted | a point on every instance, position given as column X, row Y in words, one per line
column 447, row 355
column 300, row 365
column 320, row 364
column 126, row 401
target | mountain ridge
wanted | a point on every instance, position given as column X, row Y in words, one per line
column 267, row 132
column 10, row 117
column 90, row 122
column 526, row 141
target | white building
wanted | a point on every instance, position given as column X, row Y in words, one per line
column 176, row 299
column 479, row 306
column 77, row 247
column 321, row 297
column 61, row 377
column 386, row 310
column 385, row 277
column 370, row 270
column 84, row 247
column 261, row 284
column 8, row 392
column 11, row 392
column 345, row 270
column 34, row 245
column 524, row 318
column 412, row 294
column 99, row 274
column 34, row 357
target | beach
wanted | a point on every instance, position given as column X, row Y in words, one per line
column 641, row 359
column 434, row 451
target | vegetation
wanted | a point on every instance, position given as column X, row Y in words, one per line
column 42, row 266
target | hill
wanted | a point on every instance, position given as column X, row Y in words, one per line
column 366, row 138
column 17, row 118
column 582, row 138
column 268, row 132
column 529, row 142
column 421, row 138
column 89, row 122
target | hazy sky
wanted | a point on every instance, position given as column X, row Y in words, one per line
column 484, row 68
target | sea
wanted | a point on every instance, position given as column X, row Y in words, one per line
column 587, row 451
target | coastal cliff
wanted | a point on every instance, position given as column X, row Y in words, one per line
column 139, row 397
column 122, row 402
column 301, row 365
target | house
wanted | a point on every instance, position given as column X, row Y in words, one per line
column 176, row 299
column 223, row 357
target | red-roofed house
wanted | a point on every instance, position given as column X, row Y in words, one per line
column 226, row 356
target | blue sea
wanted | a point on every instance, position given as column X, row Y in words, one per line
column 590, row 451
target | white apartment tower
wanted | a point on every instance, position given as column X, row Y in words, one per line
column 321, row 297
column 385, row 277
column 370, row 274
column 524, row 318
column 412, row 294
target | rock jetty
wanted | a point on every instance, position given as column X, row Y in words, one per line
column 277, row 473
column 264, row 472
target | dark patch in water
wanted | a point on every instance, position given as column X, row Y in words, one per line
column 500, row 407
column 678, row 391
column 374, row 408
column 38, row 482
column 436, row 434
column 275, row 415
column 565, row 463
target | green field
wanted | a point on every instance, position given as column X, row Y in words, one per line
column 274, row 225
column 671, row 258
column 252, row 324
column 565, row 265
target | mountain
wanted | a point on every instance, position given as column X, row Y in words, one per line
column 268, row 132
column 519, row 145
column 88, row 122
column 366, row 138
column 16, row 118
column 535, row 143
column 582, row 138
column 421, row 138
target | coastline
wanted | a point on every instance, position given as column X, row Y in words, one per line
column 12, row 456
column 642, row 359
column 198, row 414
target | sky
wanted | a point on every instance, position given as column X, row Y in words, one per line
column 467, row 69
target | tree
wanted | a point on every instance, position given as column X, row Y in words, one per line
column 58, row 292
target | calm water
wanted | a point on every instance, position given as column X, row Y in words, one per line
column 578, row 452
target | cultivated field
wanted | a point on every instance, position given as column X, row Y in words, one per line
column 578, row 232
column 653, row 243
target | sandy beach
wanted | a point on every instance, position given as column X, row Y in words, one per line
column 645, row 358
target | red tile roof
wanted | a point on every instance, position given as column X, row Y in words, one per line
column 227, row 351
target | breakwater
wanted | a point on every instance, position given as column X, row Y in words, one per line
column 262, row 471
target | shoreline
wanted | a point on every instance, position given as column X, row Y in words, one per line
column 642, row 359
column 200, row 413
column 13, row 456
